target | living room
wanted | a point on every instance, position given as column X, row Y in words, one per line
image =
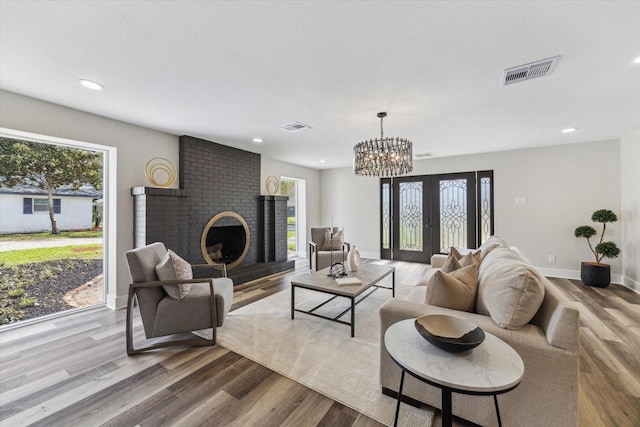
column 563, row 177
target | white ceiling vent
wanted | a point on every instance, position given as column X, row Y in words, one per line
column 422, row 155
column 294, row 127
column 529, row 71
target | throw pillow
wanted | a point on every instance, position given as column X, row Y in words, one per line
column 490, row 244
column 332, row 243
column 451, row 264
column 510, row 291
column 172, row 267
column 468, row 258
column 456, row 290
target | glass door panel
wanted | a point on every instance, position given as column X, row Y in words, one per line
column 411, row 237
column 385, row 218
column 454, row 221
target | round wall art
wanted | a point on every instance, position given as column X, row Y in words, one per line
column 273, row 185
column 160, row 172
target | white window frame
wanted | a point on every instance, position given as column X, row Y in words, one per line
column 110, row 185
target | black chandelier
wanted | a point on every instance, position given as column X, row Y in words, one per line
column 384, row 156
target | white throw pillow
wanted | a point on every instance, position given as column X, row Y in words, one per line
column 510, row 290
column 172, row 267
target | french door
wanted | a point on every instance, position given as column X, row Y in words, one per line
column 427, row 214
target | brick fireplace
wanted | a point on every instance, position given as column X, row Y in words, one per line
column 215, row 179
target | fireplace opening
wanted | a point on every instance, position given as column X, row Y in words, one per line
column 225, row 239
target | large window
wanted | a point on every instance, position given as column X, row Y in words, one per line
column 92, row 259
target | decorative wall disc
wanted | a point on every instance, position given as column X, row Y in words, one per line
column 160, row 172
column 273, row 185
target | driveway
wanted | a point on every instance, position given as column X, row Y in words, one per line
column 52, row 243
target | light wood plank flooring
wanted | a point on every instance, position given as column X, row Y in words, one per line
column 73, row 370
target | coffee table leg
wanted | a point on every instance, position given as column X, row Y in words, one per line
column 293, row 300
column 395, row 421
column 353, row 317
column 447, row 418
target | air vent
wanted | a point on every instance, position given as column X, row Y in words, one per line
column 529, row 71
column 294, row 127
column 422, row 155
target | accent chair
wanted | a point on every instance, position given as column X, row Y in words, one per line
column 320, row 254
column 175, row 306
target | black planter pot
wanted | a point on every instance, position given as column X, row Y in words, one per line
column 593, row 274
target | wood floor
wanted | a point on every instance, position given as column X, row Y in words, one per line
column 73, row 370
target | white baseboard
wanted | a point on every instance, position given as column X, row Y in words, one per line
column 631, row 284
column 116, row 302
column 369, row 255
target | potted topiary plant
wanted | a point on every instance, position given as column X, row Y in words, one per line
column 597, row 273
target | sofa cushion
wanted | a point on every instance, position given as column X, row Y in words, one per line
column 427, row 277
column 332, row 243
column 490, row 244
column 172, row 267
column 510, row 290
column 455, row 290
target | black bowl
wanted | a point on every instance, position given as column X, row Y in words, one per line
column 449, row 333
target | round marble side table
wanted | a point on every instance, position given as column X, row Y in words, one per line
column 492, row 368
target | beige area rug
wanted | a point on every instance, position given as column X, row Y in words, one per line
column 318, row 353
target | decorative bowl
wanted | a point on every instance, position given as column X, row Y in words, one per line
column 449, row 333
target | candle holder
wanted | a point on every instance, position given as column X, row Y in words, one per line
column 337, row 269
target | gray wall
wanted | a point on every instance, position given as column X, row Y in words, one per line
column 563, row 184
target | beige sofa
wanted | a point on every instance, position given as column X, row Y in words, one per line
column 549, row 346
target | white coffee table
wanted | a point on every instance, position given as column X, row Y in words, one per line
column 492, row 368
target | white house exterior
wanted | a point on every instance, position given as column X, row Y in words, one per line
column 24, row 209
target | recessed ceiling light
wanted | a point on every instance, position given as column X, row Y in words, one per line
column 637, row 60
column 257, row 140
column 569, row 130
column 323, row 161
column 90, row 84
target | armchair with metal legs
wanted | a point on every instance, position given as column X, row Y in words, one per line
column 205, row 306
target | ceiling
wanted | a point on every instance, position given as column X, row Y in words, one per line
column 233, row 71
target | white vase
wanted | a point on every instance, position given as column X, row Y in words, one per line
column 353, row 259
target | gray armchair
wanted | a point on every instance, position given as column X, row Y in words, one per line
column 205, row 306
column 320, row 258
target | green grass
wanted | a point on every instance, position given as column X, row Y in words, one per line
column 26, row 256
column 45, row 235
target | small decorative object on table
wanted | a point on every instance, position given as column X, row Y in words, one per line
column 348, row 281
column 449, row 333
column 353, row 259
